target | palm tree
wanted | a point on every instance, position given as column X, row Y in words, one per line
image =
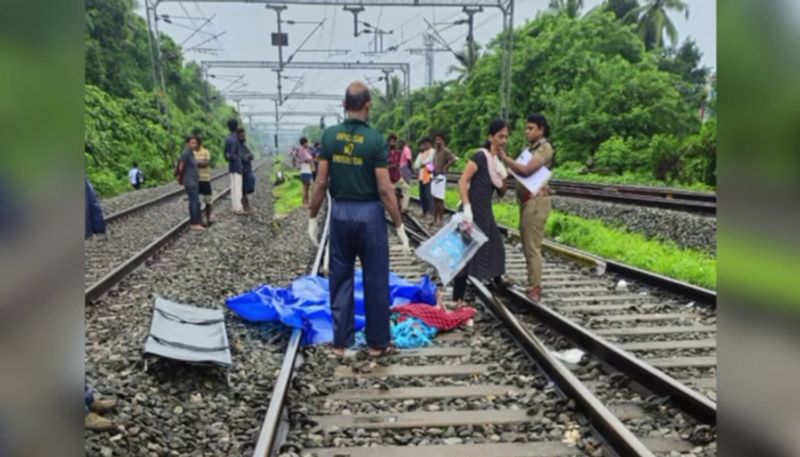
column 621, row 8
column 395, row 89
column 467, row 58
column 654, row 21
column 570, row 8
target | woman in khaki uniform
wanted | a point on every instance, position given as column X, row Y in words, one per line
column 534, row 208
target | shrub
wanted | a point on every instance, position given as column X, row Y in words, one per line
column 664, row 157
column 699, row 156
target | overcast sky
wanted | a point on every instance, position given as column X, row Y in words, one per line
column 247, row 28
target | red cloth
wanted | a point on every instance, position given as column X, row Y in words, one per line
column 437, row 317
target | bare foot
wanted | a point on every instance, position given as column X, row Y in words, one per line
column 197, row 227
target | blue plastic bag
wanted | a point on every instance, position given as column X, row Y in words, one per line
column 305, row 303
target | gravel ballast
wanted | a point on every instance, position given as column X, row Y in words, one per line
column 175, row 409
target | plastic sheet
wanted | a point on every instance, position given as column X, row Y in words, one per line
column 305, row 303
column 450, row 248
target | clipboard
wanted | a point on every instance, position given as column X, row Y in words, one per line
column 537, row 180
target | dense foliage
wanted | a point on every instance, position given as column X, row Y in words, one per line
column 123, row 122
column 612, row 104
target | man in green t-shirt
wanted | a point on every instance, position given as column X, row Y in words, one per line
column 353, row 164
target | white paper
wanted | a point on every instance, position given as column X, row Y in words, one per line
column 537, row 180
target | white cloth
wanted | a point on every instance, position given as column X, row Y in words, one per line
column 439, row 186
column 305, row 168
column 236, row 192
column 132, row 175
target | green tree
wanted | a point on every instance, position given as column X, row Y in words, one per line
column 592, row 78
column 122, row 120
column 685, row 63
column 117, row 54
column 654, row 21
column 569, row 8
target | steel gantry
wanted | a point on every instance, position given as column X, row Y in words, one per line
column 237, row 97
column 385, row 67
column 403, row 67
column 506, row 7
column 274, row 96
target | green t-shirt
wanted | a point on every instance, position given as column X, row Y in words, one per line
column 353, row 150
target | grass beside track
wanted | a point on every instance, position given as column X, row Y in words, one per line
column 288, row 195
column 615, row 243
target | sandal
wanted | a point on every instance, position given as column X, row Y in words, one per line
column 338, row 353
column 382, row 352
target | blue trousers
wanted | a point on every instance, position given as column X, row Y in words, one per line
column 425, row 198
column 195, row 214
column 359, row 229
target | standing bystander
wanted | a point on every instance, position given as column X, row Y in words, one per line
column 353, row 163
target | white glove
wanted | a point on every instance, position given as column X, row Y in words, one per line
column 501, row 169
column 468, row 214
column 312, row 230
column 401, row 233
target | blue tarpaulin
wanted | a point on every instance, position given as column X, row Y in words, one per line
column 305, row 303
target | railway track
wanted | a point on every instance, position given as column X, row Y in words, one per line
column 660, row 197
column 134, row 235
column 132, row 209
column 498, row 389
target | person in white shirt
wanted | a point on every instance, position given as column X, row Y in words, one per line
column 304, row 159
column 135, row 176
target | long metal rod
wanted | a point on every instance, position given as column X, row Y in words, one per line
column 697, row 405
column 616, row 434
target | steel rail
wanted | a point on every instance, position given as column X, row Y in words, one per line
column 695, row 404
column 609, row 426
column 666, row 192
column 272, row 431
column 153, row 201
column 616, row 434
column 660, row 197
column 683, row 204
column 115, row 276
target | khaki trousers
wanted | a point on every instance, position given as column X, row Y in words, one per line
column 533, row 215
